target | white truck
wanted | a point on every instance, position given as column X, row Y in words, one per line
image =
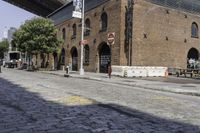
column 12, row 59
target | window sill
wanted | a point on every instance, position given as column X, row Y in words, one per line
column 103, row 30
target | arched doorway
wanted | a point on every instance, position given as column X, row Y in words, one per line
column 62, row 57
column 55, row 57
column 74, row 55
column 193, row 57
column 104, row 57
column 193, row 54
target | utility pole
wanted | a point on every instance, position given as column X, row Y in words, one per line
column 79, row 12
column 82, row 37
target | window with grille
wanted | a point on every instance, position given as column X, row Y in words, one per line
column 74, row 31
column 86, row 55
column 87, row 27
column 63, row 34
column 194, row 30
column 104, row 22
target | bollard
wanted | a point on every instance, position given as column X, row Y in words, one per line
column 67, row 71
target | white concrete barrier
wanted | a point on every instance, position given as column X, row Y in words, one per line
column 139, row 71
column 136, row 72
column 157, row 71
column 118, row 70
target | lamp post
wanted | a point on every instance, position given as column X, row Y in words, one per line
column 82, row 37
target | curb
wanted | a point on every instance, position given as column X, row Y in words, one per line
column 130, row 85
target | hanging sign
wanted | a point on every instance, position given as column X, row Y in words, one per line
column 77, row 13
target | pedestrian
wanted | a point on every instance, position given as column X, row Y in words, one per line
column 1, row 63
column 109, row 69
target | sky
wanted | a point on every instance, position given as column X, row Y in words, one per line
column 12, row 16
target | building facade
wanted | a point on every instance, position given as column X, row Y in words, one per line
column 10, row 32
column 147, row 33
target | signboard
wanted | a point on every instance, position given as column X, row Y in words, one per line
column 111, row 38
column 77, row 13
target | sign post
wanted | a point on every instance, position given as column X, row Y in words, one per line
column 79, row 13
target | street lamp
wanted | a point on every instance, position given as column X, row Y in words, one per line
column 82, row 37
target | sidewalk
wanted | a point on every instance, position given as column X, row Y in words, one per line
column 170, row 84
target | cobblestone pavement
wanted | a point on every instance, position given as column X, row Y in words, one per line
column 41, row 103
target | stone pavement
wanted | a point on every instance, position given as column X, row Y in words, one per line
column 181, row 86
column 29, row 105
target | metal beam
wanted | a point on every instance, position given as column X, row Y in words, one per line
column 38, row 7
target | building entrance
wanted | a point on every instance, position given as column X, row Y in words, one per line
column 193, row 54
column 104, row 57
column 55, row 57
column 74, row 55
column 192, row 58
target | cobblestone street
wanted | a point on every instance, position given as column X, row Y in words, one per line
column 42, row 103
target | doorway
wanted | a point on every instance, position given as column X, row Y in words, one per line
column 192, row 58
column 104, row 57
column 74, row 55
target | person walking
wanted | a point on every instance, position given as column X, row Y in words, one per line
column 109, row 68
column 1, row 63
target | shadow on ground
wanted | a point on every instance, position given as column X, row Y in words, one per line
column 22, row 111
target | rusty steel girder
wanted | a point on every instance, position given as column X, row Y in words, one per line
column 38, row 7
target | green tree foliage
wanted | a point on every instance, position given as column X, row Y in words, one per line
column 3, row 47
column 37, row 35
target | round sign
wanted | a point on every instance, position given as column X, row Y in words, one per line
column 111, row 38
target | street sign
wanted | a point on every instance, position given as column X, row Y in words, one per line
column 76, row 14
column 111, row 38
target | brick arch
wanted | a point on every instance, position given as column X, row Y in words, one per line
column 104, row 56
column 193, row 53
column 74, row 58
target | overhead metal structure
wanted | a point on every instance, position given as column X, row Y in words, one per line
column 39, row 7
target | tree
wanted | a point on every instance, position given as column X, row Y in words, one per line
column 37, row 35
column 3, row 47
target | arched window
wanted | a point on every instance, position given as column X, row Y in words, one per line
column 74, row 31
column 104, row 22
column 194, row 30
column 87, row 27
column 63, row 34
column 86, row 54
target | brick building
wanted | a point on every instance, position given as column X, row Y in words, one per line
column 147, row 33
